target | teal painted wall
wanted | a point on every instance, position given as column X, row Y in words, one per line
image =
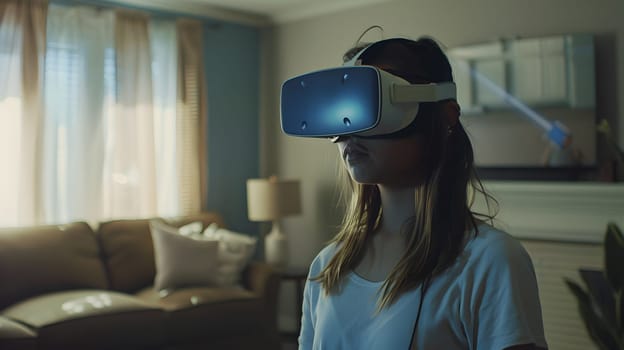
column 232, row 71
column 231, row 53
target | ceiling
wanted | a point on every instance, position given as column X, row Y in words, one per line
column 255, row 12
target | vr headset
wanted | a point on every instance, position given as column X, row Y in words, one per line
column 354, row 100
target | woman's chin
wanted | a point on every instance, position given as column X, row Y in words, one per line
column 362, row 177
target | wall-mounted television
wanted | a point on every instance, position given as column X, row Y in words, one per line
column 512, row 92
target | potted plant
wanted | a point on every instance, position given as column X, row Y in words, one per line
column 602, row 305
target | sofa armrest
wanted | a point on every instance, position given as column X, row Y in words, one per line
column 264, row 280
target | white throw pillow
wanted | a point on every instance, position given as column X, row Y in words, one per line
column 193, row 230
column 235, row 252
column 183, row 261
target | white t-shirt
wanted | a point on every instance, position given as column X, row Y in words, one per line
column 487, row 300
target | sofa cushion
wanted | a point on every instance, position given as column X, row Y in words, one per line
column 90, row 319
column 208, row 313
column 12, row 330
column 43, row 259
column 128, row 253
column 128, row 250
column 14, row 335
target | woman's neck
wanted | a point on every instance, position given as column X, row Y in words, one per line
column 398, row 206
column 388, row 245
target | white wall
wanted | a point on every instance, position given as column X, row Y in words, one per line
column 316, row 43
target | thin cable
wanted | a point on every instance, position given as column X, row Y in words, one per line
column 357, row 42
column 423, row 290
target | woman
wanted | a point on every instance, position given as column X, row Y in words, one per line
column 413, row 267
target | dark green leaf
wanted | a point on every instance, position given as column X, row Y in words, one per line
column 614, row 256
column 620, row 307
column 597, row 327
column 601, row 292
column 578, row 292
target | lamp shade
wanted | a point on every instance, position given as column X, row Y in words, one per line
column 272, row 198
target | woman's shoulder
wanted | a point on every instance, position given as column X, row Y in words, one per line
column 486, row 234
column 494, row 244
column 323, row 257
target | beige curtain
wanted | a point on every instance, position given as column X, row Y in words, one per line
column 191, row 118
column 131, row 187
column 22, row 37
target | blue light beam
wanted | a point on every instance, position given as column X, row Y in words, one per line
column 558, row 133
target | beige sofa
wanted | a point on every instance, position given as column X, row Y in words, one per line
column 66, row 287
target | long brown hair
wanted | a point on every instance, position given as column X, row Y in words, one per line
column 438, row 230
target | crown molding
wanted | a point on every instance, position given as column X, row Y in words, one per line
column 202, row 10
column 309, row 9
column 289, row 13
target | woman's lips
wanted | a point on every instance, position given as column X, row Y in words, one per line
column 354, row 155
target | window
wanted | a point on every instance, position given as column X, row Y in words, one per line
column 97, row 156
column 10, row 124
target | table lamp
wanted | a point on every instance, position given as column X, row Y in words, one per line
column 270, row 200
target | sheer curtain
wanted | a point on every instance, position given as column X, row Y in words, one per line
column 22, row 47
column 80, row 99
column 164, row 46
column 122, row 133
column 113, row 135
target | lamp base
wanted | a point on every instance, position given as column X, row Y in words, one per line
column 276, row 247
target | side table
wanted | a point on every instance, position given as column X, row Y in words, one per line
column 297, row 275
